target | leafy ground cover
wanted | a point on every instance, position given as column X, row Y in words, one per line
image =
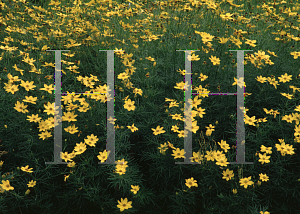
column 149, row 106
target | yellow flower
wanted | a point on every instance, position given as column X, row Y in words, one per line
column 71, row 129
column 135, row 189
column 239, row 82
column 71, row 106
column 45, row 135
column 246, row 182
column 66, row 177
column 210, row 127
column 210, row 156
column 249, row 120
column 50, row 108
column 132, row 128
column 124, row 204
column 234, row 191
column 20, row 107
column 34, row 118
column 203, row 77
column 9, row 87
column 13, row 79
column 120, row 169
column 6, row 185
column 103, row 156
column 273, row 82
column 69, row 116
column 193, row 57
column 228, row 174
column 27, row 85
column 91, row 140
column 263, row 177
column 265, row 149
column 214, row 60
column 285, row 78
column 263, row 158
column 80, row 148
column 158, row 130
column 222, row 161
column 208, row 132
column 226, row 16
column 261, row 79
column 295, row 54
column 31, row 183
column 72, row 164
column 129, row 105
column 30, row 99
column 171, row 145
column 197, row 157
column 65, row 156
column 26, row 169
column 178, row 153
column 224, row 145
column 251, row 42
column 123, row 76
column 191, row 182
